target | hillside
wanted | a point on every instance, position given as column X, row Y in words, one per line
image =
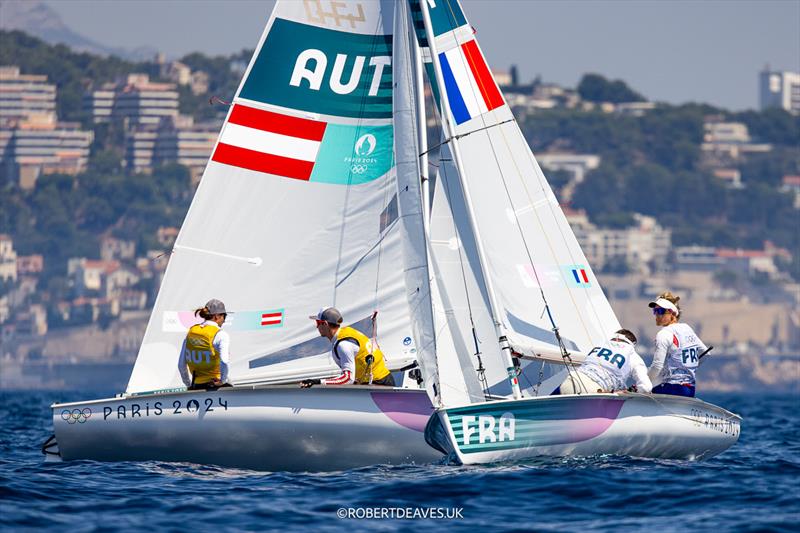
column 652, row 164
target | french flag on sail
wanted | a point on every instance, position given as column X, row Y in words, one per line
column 470, row 87
column 269, row 142
column 577, row 276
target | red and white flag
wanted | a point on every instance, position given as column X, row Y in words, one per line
column 272, row 318
column 269, row 142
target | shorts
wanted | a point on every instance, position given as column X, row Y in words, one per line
column 674, row 389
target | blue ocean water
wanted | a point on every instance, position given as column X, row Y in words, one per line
column 751, row 487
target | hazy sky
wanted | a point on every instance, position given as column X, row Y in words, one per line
column 674, row 51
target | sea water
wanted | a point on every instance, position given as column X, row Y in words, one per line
column 754, row 486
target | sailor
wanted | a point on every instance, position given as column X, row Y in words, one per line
column 607, row 368
column 677, row 349
column 203, row 362
column 352, row 351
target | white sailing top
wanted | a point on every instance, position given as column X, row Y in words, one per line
column 344, row 353
column 612, row 364
column 676, row 355
column 222, row 343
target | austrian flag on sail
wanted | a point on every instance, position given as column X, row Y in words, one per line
column 270, row 142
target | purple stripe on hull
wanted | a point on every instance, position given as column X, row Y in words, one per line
column 594, row 417
column 406, row 409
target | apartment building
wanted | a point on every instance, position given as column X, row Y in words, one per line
column 22, row 95
column 638, row 246
column 779, row 89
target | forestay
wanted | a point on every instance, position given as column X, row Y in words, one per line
column 298, row 207
column 530, row 251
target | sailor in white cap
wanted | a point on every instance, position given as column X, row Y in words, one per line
column 677, row 349
column 204, row 358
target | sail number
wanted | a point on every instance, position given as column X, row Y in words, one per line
column 177, row 407
column 717, row 423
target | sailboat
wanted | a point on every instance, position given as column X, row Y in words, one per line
column 318, row 193
column 515, row 276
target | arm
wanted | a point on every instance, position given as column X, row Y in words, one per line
column 347, row 362
column 660, row 355
column 186, row 377
column 640, row 377
column 222, row 342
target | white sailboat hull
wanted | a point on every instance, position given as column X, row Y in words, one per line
column 637, row 425
column 278, row 428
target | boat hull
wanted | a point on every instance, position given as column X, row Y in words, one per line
column 637, row 425
column 272, row 428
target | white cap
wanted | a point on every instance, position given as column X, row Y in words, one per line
column 664, row 304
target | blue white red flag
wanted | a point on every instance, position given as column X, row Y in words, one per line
column 470, row 87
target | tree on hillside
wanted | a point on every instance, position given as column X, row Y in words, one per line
column 596, row 88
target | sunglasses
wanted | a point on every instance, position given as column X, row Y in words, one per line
column 659, row 311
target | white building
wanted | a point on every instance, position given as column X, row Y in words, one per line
column 638, row 246
column 8, row 259
column 136, row 99
column 726, row 132
column 144, row 102
column 140, row 146
column 724, row 142
column 111, row 248
column 99, row 103
column 578, row 164
column 22, row 95
column 779, row 89
column 173, row 141
column 41, row 145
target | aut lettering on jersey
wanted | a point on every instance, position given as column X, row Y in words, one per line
column 608, row 355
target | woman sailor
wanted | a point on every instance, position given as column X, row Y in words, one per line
column 677, row 349
column 203, row 363
column 608, row 368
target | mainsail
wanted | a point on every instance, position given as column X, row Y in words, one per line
column 532, row 265
column 298, row 206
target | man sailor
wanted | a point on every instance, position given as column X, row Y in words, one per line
column 203, row 362
column 608, row 368
column 352, row 351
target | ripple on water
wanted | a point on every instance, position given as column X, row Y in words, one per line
column 751, row 487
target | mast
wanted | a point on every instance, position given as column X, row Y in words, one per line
column 449, row 129
column 422, row 132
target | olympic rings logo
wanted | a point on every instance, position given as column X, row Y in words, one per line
column 76, row 415
column 359, row 169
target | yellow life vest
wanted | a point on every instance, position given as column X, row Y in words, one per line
column 378, row 367
column 200, row 355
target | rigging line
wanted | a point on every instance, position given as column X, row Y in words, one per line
column 459, row 136
column 481, row 370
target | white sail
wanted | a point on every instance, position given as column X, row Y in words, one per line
column 416, row 266
column 531, row 254
column 298, row 207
